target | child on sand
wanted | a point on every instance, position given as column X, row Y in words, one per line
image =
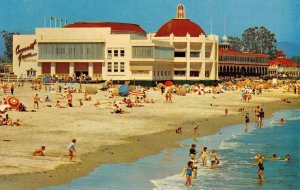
column 72, row 149
column 188, row 171
column 39, row 152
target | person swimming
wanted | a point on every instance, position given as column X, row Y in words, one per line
column 287, row 157
column 282, row 121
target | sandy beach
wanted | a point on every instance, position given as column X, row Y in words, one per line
column 103, row 137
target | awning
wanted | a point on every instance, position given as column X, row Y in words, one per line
column 141, row 68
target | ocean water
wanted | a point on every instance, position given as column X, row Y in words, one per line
column 236, row 149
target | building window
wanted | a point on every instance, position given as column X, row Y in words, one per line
column 109, row 54
column 116, row 53
column 179, row 73
column 194, row 73
column 161, row 73
column 207, row 54
column 122, row 52
column 194, row 54
column 122, row 67
column 116, row 67
column 169, row 73
column 179, row 54
column 158, row 73
column 109, row 67
column 166, row 73
column 207, row 73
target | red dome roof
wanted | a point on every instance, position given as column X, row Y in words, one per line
column 180, row 28
column 115, row 27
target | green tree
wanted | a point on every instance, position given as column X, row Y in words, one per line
column 235, row 42
column 296, row 59
column 8, row 42
column 259, row 40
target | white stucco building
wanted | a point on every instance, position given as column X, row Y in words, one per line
column 179, row 51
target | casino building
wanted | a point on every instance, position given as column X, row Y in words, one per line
column 235, row 63
column 179, row 51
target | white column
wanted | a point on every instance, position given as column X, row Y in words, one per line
column 91, row 71
column 202, row 72
column 53, row 68
column 188, row 50
column 72, row 69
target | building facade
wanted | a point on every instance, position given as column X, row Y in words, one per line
column 179, row 51
column 236, row 64
column 281, row 66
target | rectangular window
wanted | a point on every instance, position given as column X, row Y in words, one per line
column 207, row 73
column 179, row 54
column 194, row 54
column 161, row 73
column 158, row 73
column 154, row 73
column 169, row 73
column 142, row 52
column 116, row 67
column 179, row 73
column 207, row 54
column 122, row 67
column 166, row 73
column 109, row 67
column 109, row 54
column 122, row 52
column 194, row 73
column 116, row 53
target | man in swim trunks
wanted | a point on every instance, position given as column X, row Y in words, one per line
column 193, row 151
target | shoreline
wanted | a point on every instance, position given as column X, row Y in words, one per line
column 136, row 145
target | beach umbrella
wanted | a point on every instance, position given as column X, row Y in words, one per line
column 181, row 92
column 4, row 108
column 171, row 89
column 132, row 87
column 91, row 90
column 115, row 92
column 13, row 102
column 186, row 85
column 124, row 90
column 168, row 83
column 46, row 79
column 198, row 90
column 159, row 85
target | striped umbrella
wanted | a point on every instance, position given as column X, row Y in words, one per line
column 13, row 102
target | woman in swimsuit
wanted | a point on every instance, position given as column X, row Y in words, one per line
column 188, row 171
column 260, row 168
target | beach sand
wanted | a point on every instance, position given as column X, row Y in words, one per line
column 103, row 137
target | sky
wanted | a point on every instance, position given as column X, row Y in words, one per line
column 282, row 17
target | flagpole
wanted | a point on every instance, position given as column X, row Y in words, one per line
column 60, row 22
column 50, row 21
column 55, row 22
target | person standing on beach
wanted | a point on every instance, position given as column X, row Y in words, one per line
column 188, row 171
column 193, row 151
column 226, row 111
column 72, row 149
column 12, row 89
column 203, row 156
column 261, row 117
column 36, row 101
column 196, row 130
column 260, row 168
column 257, row 114
column 247, row 120
column 70, row 97
column 213, row 159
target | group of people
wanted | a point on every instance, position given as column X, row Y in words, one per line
column 71, row 150
column 190, row 171
column 9, row 121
